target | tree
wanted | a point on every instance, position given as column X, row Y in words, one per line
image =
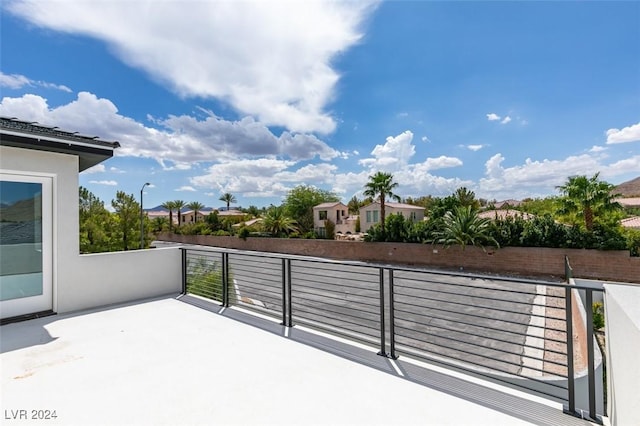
column 179, row 205
column 466, row 198
column 300, row 202
column 463, row 226
column 277, row 223
column 354, row 205
column 169, row 205
column 228, row 198
column 127, row 215
column 586, row 197
column 381, row 185
column 196, row 206
column 95, row 223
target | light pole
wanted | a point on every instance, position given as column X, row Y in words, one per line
column 142, row 217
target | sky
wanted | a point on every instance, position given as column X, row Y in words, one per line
column 253, row 98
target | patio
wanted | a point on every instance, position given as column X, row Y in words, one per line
column 183, row 360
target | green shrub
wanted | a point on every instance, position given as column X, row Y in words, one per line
column 244, row 233
column 598, row 315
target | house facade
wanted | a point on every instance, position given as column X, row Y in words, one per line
column 370, row 214
column 41, row 269
column 338, row 213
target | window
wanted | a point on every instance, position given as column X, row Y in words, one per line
column 322, row 214
column 376, row 219
column 413, row 216
column 322, row 232
column 368, row 217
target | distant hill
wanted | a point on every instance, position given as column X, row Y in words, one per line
column 22, row 211
column 628, row 189
column 185, row 209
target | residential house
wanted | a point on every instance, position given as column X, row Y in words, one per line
column 505, row 204
column 189, row 216
column 336, row 212
column 503, row 214
column 370, row 214
column 631, row 222
column 41, row 269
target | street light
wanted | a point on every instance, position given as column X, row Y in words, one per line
column 142, row 217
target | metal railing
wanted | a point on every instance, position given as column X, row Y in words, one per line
column 516, row 331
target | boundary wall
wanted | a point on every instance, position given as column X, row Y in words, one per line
column 614, row 265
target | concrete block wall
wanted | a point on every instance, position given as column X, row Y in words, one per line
column 525, row 261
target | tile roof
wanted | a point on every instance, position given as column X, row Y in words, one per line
column 631, row 222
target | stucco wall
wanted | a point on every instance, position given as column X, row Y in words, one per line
column 81, row 282
column 106, row 278
column 623, row 345
column 528, row 261
column 64, row 171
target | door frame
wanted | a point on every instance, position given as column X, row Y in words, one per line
column 45, row 301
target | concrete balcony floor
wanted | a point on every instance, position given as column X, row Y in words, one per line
column 175, row 361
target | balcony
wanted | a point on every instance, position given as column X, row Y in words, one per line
column 264, row 339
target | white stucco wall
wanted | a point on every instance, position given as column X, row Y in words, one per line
column 622, row 322
column 107, row 278
column 81, row 282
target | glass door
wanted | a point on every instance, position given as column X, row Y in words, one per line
column 26, row 206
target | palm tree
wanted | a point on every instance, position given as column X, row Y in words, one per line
column 381, row 185
column 196, row 206
column 228, row 198
column 463, row 226
column 179, row 205
column 586, row 197
column 169, row 205
column 276, row 222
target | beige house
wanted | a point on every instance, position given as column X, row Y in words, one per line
column 338, row 213
column 370, row 214
column 190, row 217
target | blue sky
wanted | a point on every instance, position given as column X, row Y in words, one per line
column 256, row 97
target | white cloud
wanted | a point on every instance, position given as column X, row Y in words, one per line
column 506, row 120
column 98, row 168
column 180, row 142
column 252, row 55
column 394, row 154
column 441, row 162
column 493, row 117
column 597, row 148
column 17, row 81
column 629, row 165
column 104, row 182
column 250, row 177
column 532, row 177
column 475, row 147
column 627, row 134
column 185, row 188
column 425, row 139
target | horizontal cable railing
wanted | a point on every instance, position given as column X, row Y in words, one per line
column 512, row 330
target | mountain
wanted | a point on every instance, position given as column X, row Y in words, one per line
column 628, row 189
column 23, row 210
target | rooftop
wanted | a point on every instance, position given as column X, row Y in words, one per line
column 91, row 150
column 187, row 361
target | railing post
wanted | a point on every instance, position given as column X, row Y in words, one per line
column 570, row 373
column 590, row 355
column 225, row 279
column 183, row 257
column 284, row 292
column 392, row 329
column 383, row 348
column 289, row 302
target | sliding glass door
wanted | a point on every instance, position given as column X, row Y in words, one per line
column 26, row 206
